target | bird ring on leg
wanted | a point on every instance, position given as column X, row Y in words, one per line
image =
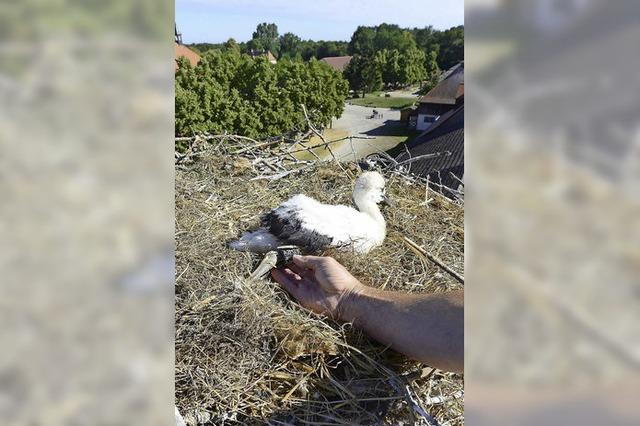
column 274, row 259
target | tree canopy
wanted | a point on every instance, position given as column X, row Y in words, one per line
column 231, row 92
column 448, row 45
column 403, row 56
column 367, row 41
column 291, row 46
column 265, row 37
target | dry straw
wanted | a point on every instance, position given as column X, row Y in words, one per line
column 246, row 353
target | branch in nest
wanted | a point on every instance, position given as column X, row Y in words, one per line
column 321, row 136
column 422, row 252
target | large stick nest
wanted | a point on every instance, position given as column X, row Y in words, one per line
column 247, row 354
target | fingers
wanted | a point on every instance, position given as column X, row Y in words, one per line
column 303, row 272
column 310, row 262
column 286, row 280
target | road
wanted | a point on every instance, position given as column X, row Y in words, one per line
column 388, row 131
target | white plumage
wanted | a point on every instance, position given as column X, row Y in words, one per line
column 311, row 225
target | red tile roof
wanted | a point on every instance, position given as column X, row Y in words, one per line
column 338, row 63
column 182, row 50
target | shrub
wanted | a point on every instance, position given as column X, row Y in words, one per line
column 231, row 92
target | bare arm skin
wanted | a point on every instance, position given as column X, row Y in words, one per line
column 426, row 327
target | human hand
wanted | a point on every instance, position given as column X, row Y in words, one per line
column 320, row 284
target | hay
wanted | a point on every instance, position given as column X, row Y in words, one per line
column 247, row 354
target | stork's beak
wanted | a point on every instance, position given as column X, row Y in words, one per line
column 386, row 201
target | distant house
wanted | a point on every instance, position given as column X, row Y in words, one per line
column 183, row 51
column 447, row 95
column 405, row 113
column 263, row 54
column 443, row 143
column 338, row 63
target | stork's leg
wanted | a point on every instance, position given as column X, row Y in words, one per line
column 275, row 259
column 268, row 263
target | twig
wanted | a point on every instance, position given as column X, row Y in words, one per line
column 457, row 178
column 434, row 259
column 422, row 157
column 314, row 146
column 259, row 145
column 209, row 137
column 321, row 136
column 413, row 403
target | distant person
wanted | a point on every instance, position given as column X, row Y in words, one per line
column 426, row 327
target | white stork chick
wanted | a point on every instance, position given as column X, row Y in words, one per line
column 313, row 226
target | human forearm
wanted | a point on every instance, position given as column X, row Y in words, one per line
column 425, row 327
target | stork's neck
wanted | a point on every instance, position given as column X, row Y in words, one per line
column 367, row 206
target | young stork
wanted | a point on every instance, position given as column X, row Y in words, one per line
column 310, row 226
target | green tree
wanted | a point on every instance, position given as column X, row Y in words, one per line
column 364, row 74
column 372, row 75
column 393, row 37
column 389, row 61
column 363, row 41
column 367, row 41
column 289, row 45
column 411, row 66
column 448, row 45
column 231, row 44
column 230, row 92
column 451, row 44
column 427, row 39
column 432, row 72
column 265, row 37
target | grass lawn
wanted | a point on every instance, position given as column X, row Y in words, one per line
column 374, row 100
column 329, row 134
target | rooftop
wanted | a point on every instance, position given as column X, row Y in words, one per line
column 449, row 89
column 338, row 63
column 445, row 141
column 183, row 51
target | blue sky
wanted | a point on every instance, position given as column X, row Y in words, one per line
column 216, row 20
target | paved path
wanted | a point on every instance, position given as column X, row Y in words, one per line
column 388, row 131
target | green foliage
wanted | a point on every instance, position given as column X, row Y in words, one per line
column 372, row 74
column 451, row 44
column 367, row 41
column 364, row 73
column 448, row 45
column 265, row 37
column 403, row 56
column 231, row 44
column 363, row 41
column 230, row 92
column 390, row 68
column 202, row 48
column 411, row 66
column 291, row 46
column 432, row 72
column 353, row 72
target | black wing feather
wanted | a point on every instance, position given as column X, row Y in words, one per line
column 287, row 227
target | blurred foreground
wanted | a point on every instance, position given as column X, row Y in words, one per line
column 553, row 139
column 86, row 126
